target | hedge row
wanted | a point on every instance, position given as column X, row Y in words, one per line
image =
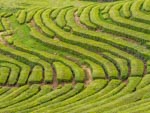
column 146, row 5
column 60, row 19
column 146, row 95
column 80, row 10
column 77, row 89
column 6, row 33
column 70, row 48
column 126, row 9
column 137, row 14
column 133, row 48
column 2, row 14
column 97, row 70
column 144, row 82
column 22, row 17
column 15, row 94
column 77, row 71
column 85, row 19
column 38, row 21
column 122, row 65
column 8, row 15
column 105, row 16
column 115, row 16
column 4, row 74
column 103, row 6
column 49, row 96
column 99, row 36
column 100, row 46
column 63, row 72
column 105, row 9
column 101, row 97
column 9, row 91
column 113, row 84
column 141, row 108
column 14, row 74
column 115, row 29
column 24, row 72
column 5, row 23
column 17, row 13
column 133, row 81
column 32, row 60
column 32, row 90
column 44, row 89
column 133, row 70
column 111, row 70
column 3, row 90
column 31, row 14
column 55, row 13
column 132, row 105
column 36, row 75
column 94, row 87
column 122, row 101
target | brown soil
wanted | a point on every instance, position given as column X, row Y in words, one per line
column 77, row 20
column 126, row 81
column 98, row 30
column 55, row 38
column 33, row 24
column 55, row 82
column 2, row 41
column 88, row 75
column 73, row 81
column 145, row 68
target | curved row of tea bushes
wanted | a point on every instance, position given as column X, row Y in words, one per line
column 106, row 47
column 63, row 72
column 76, row 59
column 31, row 60
column 137, row 14
column 24, row 72
column 78, row 72
column 22, row 17
column 14, row 72
column 115, row 16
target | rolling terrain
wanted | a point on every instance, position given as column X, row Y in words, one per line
column 70, row 56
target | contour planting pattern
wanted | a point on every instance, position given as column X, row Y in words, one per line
column 75, row 57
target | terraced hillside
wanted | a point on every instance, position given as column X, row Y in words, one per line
column 74, row 56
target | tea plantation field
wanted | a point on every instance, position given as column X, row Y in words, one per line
column 73, row 56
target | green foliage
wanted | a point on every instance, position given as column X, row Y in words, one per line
column 146, row 5
column 73, row 56
column 22, row 17
column 126, row 9
column 63, row 73
column 144, row 82
column 36, row 75
column 4, row 74
column 13, row 76
column 1, row 27
column 97, row 70
column 85, row 18
column 30, row 15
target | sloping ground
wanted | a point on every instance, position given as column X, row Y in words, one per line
column 89, row 59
